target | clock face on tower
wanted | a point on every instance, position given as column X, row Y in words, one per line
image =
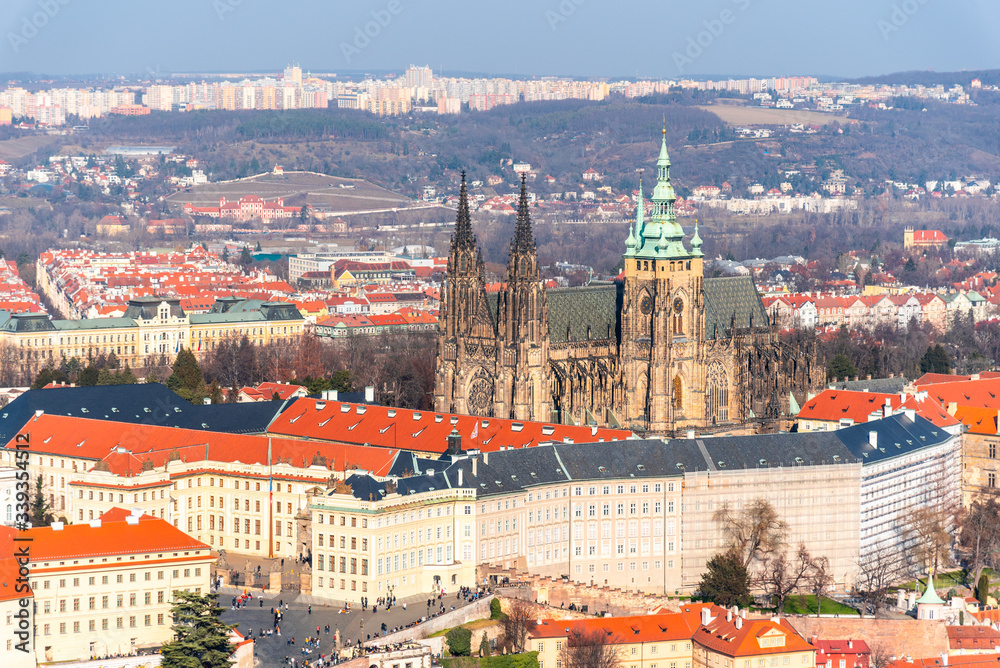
column 678, row 305
column 645, row 305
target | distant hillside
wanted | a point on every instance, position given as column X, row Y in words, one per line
column 928, row 78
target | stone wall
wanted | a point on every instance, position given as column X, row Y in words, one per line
column 477, row 610
column 901, row 637
column 559, row 593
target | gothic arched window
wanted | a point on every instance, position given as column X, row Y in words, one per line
column 678, row 393
column 717, row 387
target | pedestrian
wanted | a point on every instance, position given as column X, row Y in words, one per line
column 310, row 609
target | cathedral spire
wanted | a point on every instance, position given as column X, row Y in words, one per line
column 635, row 238
column 523, row 239
column 463, row 222
column 696, row 242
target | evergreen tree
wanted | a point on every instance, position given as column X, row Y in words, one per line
column 89, row 376
column 40, row 515
column 841, row 367
column 246, row 259
column 983, row 589
column 200, row 638
column 126, row 377
column 935, row 360
column 484, row 646
column 187, row 379
column 726, row 581
column 215, row 393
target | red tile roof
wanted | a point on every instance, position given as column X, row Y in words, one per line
column 423, row 431
column 113, row 537
column 124, row 447
column 834, row 405
column 965, row 661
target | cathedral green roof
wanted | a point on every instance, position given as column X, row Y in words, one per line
column 572, row 311
column 731, row 297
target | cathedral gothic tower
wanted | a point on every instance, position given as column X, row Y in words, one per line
column 660, row 349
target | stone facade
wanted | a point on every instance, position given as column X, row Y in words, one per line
column 661, row 349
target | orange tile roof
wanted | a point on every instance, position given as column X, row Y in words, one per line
column 113, row 537
column 423, row 431
column 982, row 393
column 623, row 630
column 724, row 637
column 973, row 637
column 9, row 570
column 125, row 446
column 979, row 420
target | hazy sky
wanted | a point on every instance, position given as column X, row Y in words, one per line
column 665, row 39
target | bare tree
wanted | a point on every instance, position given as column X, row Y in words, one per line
column 881, row 655
column 979, row 534
column 820, row 579
column 930, row 526
column 755, row 531
column 781, row 575
column 515, row 626
column 590, row 649
column 877, row 571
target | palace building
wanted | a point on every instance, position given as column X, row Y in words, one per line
column 660, row 349
column 151, row 330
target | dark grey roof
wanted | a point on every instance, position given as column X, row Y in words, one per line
column 632, row 459
column 146, row 403
column 25, row 322
column 520, row 469
column 886, row 385
column 731, row 297
column 771, row 450
column 894, row 436
column 575, row 312
column 146, row 308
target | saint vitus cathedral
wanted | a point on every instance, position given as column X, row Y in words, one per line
column 661, row 349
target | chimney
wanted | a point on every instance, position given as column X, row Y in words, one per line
column 873, row 438
column 332, row 394
column 850, row 644
column 706, row 616
column 739, row 623
column 206, row 401
column 460, row 472
column 952, row 407
column 729, row 615
column 475, row 467
column 944, row 659
column 486, row 458
column 369, row 394
column 454, row 443
column 95, row 524
column 911, row 414
column 814, row 640
column 57, row 526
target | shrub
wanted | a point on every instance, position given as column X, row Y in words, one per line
column 495, row 611
column 459, row 641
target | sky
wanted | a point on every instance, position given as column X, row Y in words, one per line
column 582, row 38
